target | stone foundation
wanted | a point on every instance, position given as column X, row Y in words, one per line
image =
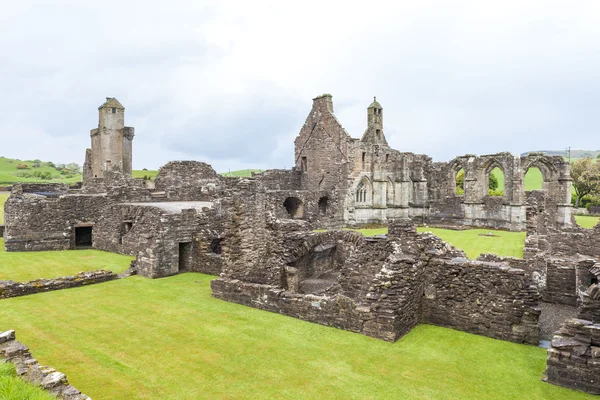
column 15, row 289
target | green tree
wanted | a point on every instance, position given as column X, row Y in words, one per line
column 586, row 178
column 460, row 182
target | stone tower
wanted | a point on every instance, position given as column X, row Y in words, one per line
column 111, row 143
column 374, row 133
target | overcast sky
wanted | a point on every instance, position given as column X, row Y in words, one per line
column 231, row 82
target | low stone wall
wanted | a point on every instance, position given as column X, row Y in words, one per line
column 337, row 311
column 31, row 371
column 574, row 356
column 15, row 289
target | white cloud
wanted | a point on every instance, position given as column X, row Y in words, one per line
column 230, row 82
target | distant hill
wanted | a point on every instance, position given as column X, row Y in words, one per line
column 574, row 153
column 14, row 170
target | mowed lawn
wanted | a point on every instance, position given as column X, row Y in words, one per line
column 506, row 244
column 3, row 197
column 25, row 266
column 587, row 221
column 139, row 338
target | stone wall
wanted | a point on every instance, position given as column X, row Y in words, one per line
column 381, row 287
column 157, row 237
column 31, row 371
column 476, row 208
column 484, row 298
column 48, row 221
column 15, row 289
column 574, row 355
column 188, row 180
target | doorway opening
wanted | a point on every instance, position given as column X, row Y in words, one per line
column 185, row 256
column 83, row 237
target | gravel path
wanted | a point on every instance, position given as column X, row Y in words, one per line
column 552, row 317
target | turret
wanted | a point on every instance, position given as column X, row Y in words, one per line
column 374, row 132
column 111, row 142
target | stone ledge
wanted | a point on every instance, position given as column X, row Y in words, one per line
column 15, row 289
column 31, row 371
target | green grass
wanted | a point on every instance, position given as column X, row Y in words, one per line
column 506, row 244
column 587, row 221
column 243, row 173
column 139, row 173
column 3, row 198
column 138, row 338
column 25, row 266
column 14, row 388
column 9, row 173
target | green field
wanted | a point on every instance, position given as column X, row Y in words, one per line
column 9, row 173
column 14, row 388
column 587, row 221
column 142, row 173
column 25, row 266
column 533, row 179
column 3, row 198
column 242, row 173
column 506, row 244
column 138, row 338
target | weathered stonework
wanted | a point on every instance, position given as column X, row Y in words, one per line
column 574, row 355
column 15, row 289
column 30, row 370
column 111, row 149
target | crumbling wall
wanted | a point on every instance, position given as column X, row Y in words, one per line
column 482, row 298
column 574, row 355
column 188, row 180
column 154, row 237
column 47, row 221
column 381, row 287
column 16, row 289
column 476, row 208
column 31, row 371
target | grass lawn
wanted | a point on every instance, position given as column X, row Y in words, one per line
column 141, row 173
column 3, row 198
column 587, row 221
column 504, row 244
column 243, row 173
column 25, row 266
column 9, row 173
column 14, row 388
column 138, row 338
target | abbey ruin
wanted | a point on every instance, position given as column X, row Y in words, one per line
column 258, row 234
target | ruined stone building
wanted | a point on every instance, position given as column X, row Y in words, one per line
column 258, row 235
column 361, row 181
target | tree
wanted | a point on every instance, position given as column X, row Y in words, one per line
column 460, row 182
column 586, row 178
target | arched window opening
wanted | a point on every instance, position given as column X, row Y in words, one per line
column 533, row 179
column 362, row 192
column 496, row 182
column 459, row 179
column 323, row 203
column 294, row 207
